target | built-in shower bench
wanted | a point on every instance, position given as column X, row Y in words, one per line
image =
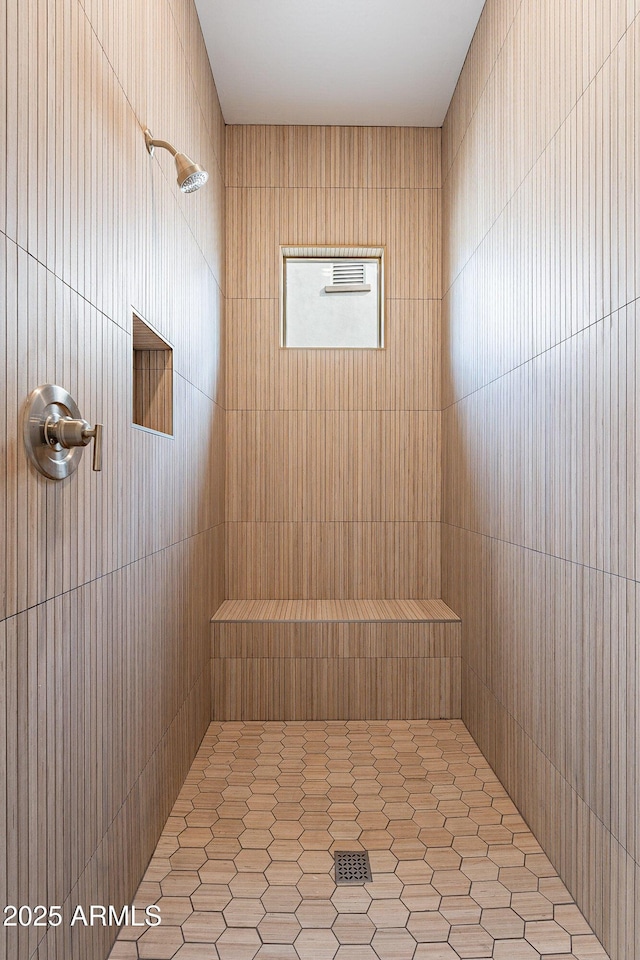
column 335, row 659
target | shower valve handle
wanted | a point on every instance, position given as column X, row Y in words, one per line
column 55, row 432
column 96, row 433
column 69, row 433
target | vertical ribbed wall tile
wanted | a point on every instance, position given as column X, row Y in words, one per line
column 107, row 580
column 333, row 453
column 333, row 559
column 540, row 429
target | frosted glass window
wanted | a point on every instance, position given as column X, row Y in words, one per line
column 332, row 301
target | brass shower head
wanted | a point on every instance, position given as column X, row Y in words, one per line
column 191, row 176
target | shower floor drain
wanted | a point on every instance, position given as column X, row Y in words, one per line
column 352, row 866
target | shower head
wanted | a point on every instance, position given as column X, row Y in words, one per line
column 191, row 176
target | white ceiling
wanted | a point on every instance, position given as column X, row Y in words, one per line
column 353, row 62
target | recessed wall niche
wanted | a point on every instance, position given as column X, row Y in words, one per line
column 152, row 379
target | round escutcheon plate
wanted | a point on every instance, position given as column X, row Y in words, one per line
column 49, row 402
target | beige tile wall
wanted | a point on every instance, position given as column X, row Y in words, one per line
column 333, row 472
column 540, row 404
column 107, row 580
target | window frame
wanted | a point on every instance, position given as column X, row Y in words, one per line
column 330, row 254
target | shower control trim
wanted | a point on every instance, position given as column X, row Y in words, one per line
column 55, row 434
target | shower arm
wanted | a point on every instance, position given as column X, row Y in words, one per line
column 164, row 144
column 190, row 175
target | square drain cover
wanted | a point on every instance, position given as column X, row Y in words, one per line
column 352, row 866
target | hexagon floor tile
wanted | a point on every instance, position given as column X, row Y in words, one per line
column 244, row 868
